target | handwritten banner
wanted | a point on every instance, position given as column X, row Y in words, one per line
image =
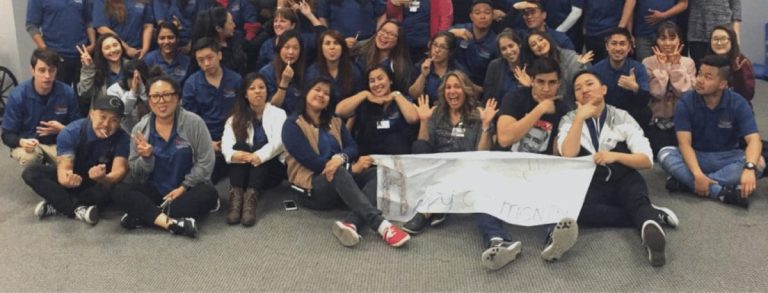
column 519, row 188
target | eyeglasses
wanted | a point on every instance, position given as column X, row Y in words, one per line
column 165, row 97
column 721, row 41
column 389, row 34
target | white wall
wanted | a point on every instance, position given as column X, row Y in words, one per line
column 753, row 40
column 15, row 45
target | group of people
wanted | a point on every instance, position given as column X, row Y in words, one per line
column 311, row 93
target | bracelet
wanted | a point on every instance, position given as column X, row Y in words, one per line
column 486, row 129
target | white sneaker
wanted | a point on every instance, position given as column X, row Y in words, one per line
column 561, row 239
column 500, row 253
column 88, row 214
column 44, row 209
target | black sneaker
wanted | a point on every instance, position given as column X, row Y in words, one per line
column 732, row 195
column 130, row 222
column 44, row 209
column 655, row 242
column 88, row 214
column 184, row 226
column 666, row 216
column 561, row 239
column 676, row 186
column 417, row 224
column 437, row 219
column 500, row 253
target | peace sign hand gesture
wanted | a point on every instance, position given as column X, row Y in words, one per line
column 85, row 56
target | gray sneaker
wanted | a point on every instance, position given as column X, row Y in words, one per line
column 561, row 239
column 44, row 209
column 655, row 242
column 500, row 253
column 88, row 214
column 667, row 216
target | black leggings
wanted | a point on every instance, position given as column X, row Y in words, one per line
column 43, row 180
column 621, row 202
column 265, row 176
column 142, row 201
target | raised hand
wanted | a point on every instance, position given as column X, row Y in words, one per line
column 85, row 55
column 586, row 111
column 462, row 33
column 28, row 144
column 660, row 57
column 740, row 61
column 629, row 82
column 423, row 109
column 287, row 74
column 674, row 58
column 425, row 66
column 654, row 17
column 143, row 148
column 586, row 57
column 487, row 113
column 523, row 78
column 49, row 127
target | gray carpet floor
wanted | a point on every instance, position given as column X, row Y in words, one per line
column 716, row 248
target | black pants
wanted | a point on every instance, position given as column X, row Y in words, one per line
column 142, row 201
column 262, row 177
column 698, row 50
column 43, row 180
column 69, row 71
column 620, row 202
column 596, row 44
column 660, row 138
column 220, row 169
column 356, row 191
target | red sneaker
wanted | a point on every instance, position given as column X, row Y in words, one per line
column 395, row 237
column 346, row 233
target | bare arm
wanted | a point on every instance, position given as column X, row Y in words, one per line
column 626, row 14
column 346, row 108
column 407, row 108
column 511, row 130
column 572, row 142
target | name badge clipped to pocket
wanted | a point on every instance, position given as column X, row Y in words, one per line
column 382, row 124
column 413, row 6
column 458, row 131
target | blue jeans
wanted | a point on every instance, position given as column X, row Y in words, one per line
column 490, row 227
column 723, row 167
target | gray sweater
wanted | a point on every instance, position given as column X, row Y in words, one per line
column 706, row 14
column 189, row 127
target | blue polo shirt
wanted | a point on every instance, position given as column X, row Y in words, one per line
column 616, row 95
column 715, row 130
column 416, row 25
column 165, row 10
column 475, row 55
column 380, row 130
column 62, row 23
column 292, row 95
column 210, row 103
column 350, row 17
column 137, row 14
column 336, row 92
column 177, row 69
column 601, row 15
column 79, row 140
column 25, row 108
column 560, row 38
column 558, row 10
column 173, row 159
column 642, row 28
column 433, row 80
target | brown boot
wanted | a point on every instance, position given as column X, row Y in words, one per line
column 235, row 205
column 249, row 207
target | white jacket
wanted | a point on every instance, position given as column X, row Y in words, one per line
column 272, row 122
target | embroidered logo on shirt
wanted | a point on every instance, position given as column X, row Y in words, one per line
column 181, row 143
column 229, row 93
column 60, row 109
column 724, row 122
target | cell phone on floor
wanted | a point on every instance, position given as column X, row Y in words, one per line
column 290, row 205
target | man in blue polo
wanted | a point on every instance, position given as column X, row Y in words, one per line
column 535, row 17
column 210, row 93
column 61, row 26
column 477, row 46
column 710, row 123
column 626, row 79
column 92, row 157
column 599, row 17
column 37, row 110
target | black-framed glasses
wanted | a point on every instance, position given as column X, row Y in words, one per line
column 165, row 97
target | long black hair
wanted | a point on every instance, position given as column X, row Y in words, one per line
column 101, row 63
column 242, row 115
column 326, row 114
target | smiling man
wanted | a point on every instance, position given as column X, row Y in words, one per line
column 92, row 158
column 37, row 110
column 535, row 17
column 626, row 78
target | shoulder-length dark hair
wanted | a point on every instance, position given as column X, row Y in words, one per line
column 399, row 56
column 469, row 108
column 279, row 65
column 450, row 41
column 510, row 34
column 554, row 50
column 288, row 14
column 242, row 115
column 207, row 21
column 169, row 26
column 345, row 62
column 668, row 27
column 735, row 50
column 101, row 63
column 326, row 114
column 126, row 75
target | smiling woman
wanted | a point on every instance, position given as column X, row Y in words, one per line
column 101, row 71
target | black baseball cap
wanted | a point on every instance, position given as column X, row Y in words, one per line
column 475, row 2
column 109, row 103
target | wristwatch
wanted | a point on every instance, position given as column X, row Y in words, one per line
column 750, row 166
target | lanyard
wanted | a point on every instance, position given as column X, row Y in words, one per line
column 595, row 126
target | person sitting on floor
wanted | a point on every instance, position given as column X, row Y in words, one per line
column 37, row 110
column 617, row 195
column 91, row 158
column 710, row 122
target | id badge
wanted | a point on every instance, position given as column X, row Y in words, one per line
column 458, row 132
column 413, row 6
column 382, row 124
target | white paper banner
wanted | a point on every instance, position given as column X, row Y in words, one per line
column 519, row 188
